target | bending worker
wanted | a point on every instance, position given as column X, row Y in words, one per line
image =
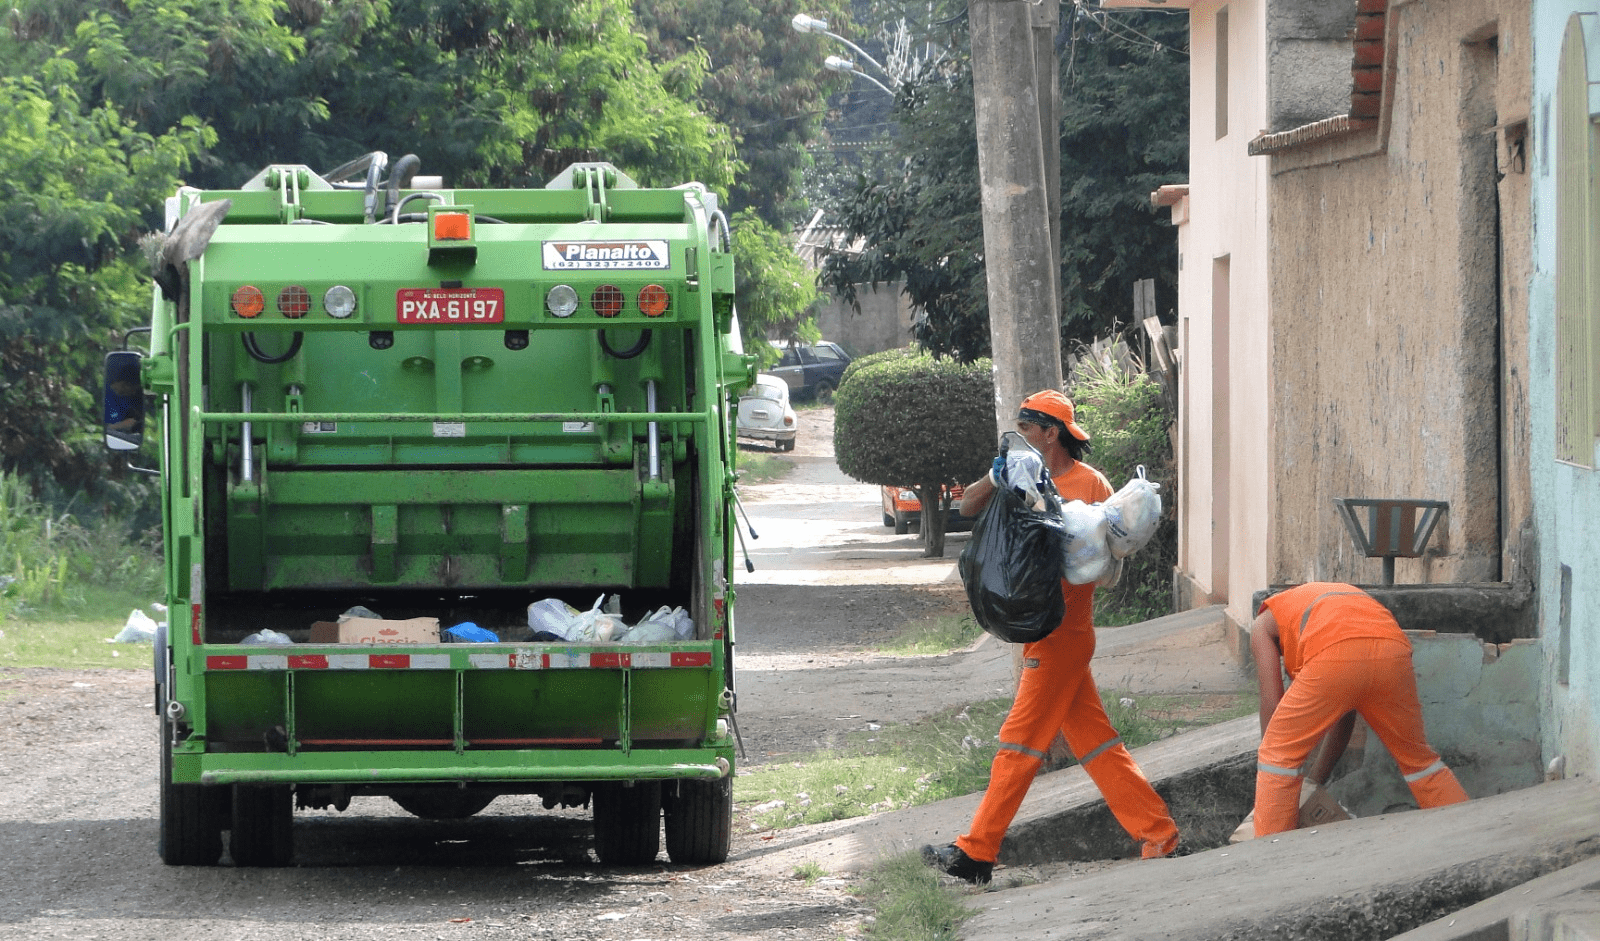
column 1056, row 692
column 1346, row 654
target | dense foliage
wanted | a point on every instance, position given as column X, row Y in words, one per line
column 1124, row 87
column 920, row 423
column 1123, row 412
column 773, row 288
column 765, row 82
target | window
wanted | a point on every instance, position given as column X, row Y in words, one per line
column 1577, row 296
column 827, row 354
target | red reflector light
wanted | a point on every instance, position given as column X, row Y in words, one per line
column 451, row 227
column 606, row 301
column 294, row 301
column 248, row 302
column 653, row 300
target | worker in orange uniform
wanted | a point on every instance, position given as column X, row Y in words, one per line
column 1346, row 654
column 1056, row 692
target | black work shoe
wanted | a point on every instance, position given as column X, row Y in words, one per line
column 952, row 860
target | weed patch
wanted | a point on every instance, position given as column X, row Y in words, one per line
column 909, row 902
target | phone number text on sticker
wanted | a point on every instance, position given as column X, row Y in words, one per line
column 450, row 305
column 639, row 255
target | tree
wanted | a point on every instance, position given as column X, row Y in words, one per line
column 764, row 81
column 920, row 423
column 773, row 289
column 75, row 182
column 1124, row 132
column 486, row 92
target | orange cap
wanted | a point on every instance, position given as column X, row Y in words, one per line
column 1055, row 408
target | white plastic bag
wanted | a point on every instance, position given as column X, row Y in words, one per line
column 139, row 629
column 267, row 638
column 1132, row 514
column 553, row 616
column 600, row 624
column 663, row 625
column 1085, row 555
column 1024, row 472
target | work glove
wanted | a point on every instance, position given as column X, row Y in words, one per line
column 997, row 472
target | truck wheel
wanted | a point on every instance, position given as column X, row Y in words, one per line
column 699, row 821
column 443, row 803
column 627, row 823
column 263, row 825
column 191, row 827
column 902, row 525
column 824, row 393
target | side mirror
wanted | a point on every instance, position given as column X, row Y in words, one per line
column 122, row 401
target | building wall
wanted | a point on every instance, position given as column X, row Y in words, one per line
column 1399, row 331
column 1224, row 311
column 1567, row 495
column 884, row 322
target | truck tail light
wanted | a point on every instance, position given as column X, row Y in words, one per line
column 339, row 301
column 248, row 302
column 562, row 300
column 606, row 300
column 294, row 301
column 452, row 227
column 654, row 300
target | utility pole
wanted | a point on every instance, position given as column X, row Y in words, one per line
column 1014, row 82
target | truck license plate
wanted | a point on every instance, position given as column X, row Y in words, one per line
column 450, row 305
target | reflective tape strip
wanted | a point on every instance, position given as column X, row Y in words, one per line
column 1096, row 753
column 515, row 660
column 1007, row 746
column 1274, row 769
column 1306, row 615
column 1434, row 768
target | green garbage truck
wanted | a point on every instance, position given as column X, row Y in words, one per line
column 409, row 438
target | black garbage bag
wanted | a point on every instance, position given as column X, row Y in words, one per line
column 1011, row 568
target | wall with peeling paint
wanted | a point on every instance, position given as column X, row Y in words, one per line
column 1399, row 319
column 1480, row 706
column 1567, row 496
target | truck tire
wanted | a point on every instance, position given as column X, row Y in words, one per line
column 263, row 825
column 699, row 821
column 627, row 823
column 443, row 803
column 191, row 826
column 902, row 525
column 824, row 393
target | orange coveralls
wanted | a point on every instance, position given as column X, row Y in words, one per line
column 1057, row 693
column 1345, row 652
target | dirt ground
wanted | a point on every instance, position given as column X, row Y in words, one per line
column 78, row 793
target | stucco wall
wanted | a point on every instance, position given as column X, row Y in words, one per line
column 1224, row 400
column 1391, row 367
column 1567, row 497
column 884, row 322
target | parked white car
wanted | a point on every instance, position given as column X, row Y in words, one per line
column 765, row 415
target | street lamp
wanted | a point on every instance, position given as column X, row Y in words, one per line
column 810, row 24
column 840, row 64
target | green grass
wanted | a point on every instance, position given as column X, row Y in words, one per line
column 809, row 872
column 935, row 635
column 909, row 903
column 758, row 468
column 70, row 643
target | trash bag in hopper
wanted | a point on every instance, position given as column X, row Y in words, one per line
column 553, row 616
column 1132, row 514
column 1011, row 568
column 1085, row 556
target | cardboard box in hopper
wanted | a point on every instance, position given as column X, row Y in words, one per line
column 374, row 631
column 1317, row 807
